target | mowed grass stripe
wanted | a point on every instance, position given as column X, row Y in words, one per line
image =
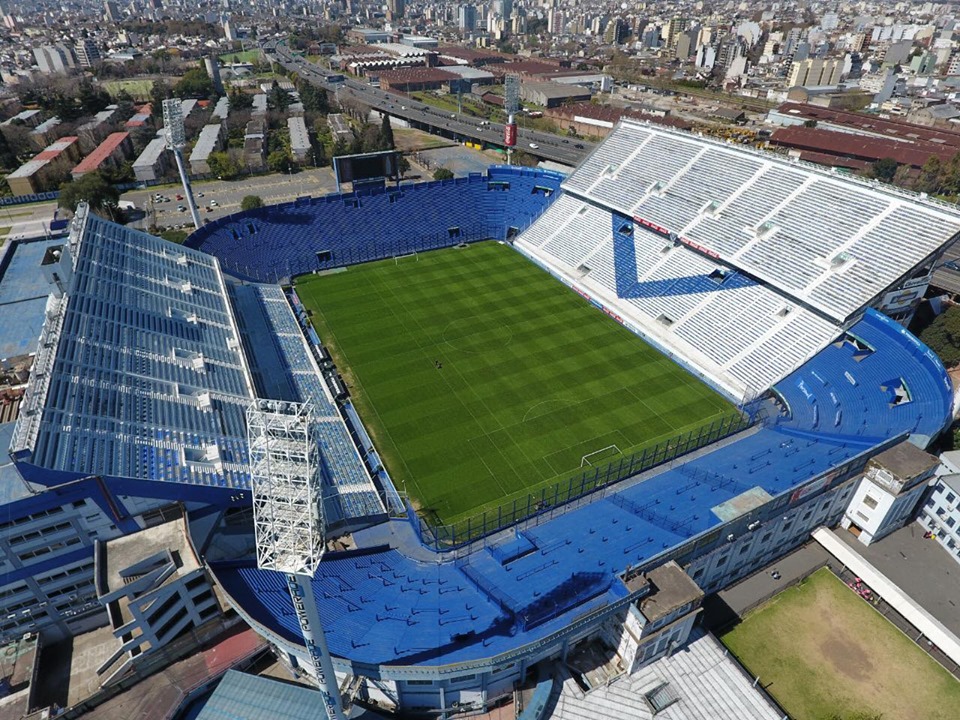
column 533, row 376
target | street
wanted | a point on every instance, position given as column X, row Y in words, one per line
column 273, row 189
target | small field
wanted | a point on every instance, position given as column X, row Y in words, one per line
column 823, row 652
column 482, row 378
column 411, row 140
column 247, row 56
column 138, row 89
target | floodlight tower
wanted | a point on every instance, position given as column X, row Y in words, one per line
column 176, row 138
column 284, row 443
column 511, row 103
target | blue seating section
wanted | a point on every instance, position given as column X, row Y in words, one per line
column 384, row 607
column 848, row 392
column 282, row 241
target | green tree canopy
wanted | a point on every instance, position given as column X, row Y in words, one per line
column 240, row 100
column 194, row 84
column 251, row 202
column 442, row 174
column 223, row 166
column 100, row 195
column 278, row 98
column 943, row 336
column 280, row 161
column 884, row 169
column 386, row 134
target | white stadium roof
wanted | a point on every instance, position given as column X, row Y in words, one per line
column 830, row 242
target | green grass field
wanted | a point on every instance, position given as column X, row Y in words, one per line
column 823, row 652
column 138, row 89
column 247, row 56
column 533, row 377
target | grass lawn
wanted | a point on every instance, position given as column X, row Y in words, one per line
column 138, row 89
column 247, row 56
column 410, row 140
column 821, row 650
column 533, row 377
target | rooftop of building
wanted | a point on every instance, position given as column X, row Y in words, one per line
column 23, row 296
column 556, row 90
column 863, row 147
column 416, row 75
column 671, row 589
column 181, row 364
column 39, row 160
column 17, row 662
column 905, row 460
column 258, row 698
column 104, row 150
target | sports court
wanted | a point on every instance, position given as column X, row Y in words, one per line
column 483, row 378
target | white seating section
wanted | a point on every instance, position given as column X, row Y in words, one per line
column 828, row 241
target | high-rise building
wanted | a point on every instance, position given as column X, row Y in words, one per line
column 88, row 54
column 814, row 72
column 395, row 9
column 213, row 72
column 228, row 32
column 616, row 32
column 468, row 18
column 54, row 58
column 111, row 11
column 676, row 26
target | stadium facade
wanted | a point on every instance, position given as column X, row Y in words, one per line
column 775, row 282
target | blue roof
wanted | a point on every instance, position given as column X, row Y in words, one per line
column 148, row 327
column 382, row 606
column 248, row 697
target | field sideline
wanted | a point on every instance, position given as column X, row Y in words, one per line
column 482, row 378
column 824, row 652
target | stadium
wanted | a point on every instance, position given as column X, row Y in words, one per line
column 550, row 412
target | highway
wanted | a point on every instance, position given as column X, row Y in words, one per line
column 458, row 126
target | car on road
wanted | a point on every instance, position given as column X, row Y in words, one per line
column 181, row 208
column 214, row 203
column 534, row 146
column 199, row 194
column 179, row 197
column 579, row 146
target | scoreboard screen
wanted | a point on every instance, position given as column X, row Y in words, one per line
column 368, row 166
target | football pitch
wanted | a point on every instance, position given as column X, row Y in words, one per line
column 481, row 378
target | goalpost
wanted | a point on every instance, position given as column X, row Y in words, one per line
column 585, row 460
column 409, row 256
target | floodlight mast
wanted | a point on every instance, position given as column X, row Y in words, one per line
column 288, row 520
column 176, row 137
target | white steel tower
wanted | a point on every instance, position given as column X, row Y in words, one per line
column 176, row 138
column 288, row 519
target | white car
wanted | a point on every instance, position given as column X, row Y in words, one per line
column 214, row 203
column 534, row 146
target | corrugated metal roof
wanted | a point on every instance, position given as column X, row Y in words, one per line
column 51, row 152
column 257, row 698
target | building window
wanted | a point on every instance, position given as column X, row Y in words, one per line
column 951, row 497
column 869, row 502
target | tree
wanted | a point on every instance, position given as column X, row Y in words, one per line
column 159, row 92
column 386, row 134
column 943, row 336
column 92, row 98
column 194, row 84
column 278, row 98
column 8, row 158
column 884, row 169
column 251, row 202
column 240, row 100
column 100, row 195
column 442, row 174
column 929, row 179
column 313, row 99
column 280, row 161
column 223, row 166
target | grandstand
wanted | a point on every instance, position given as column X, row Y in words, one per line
column 166, row 383
column 742, row 264
column 276, row 243
column 150, row 355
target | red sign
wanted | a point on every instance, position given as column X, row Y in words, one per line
column 510, row 135
column 701, row 248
